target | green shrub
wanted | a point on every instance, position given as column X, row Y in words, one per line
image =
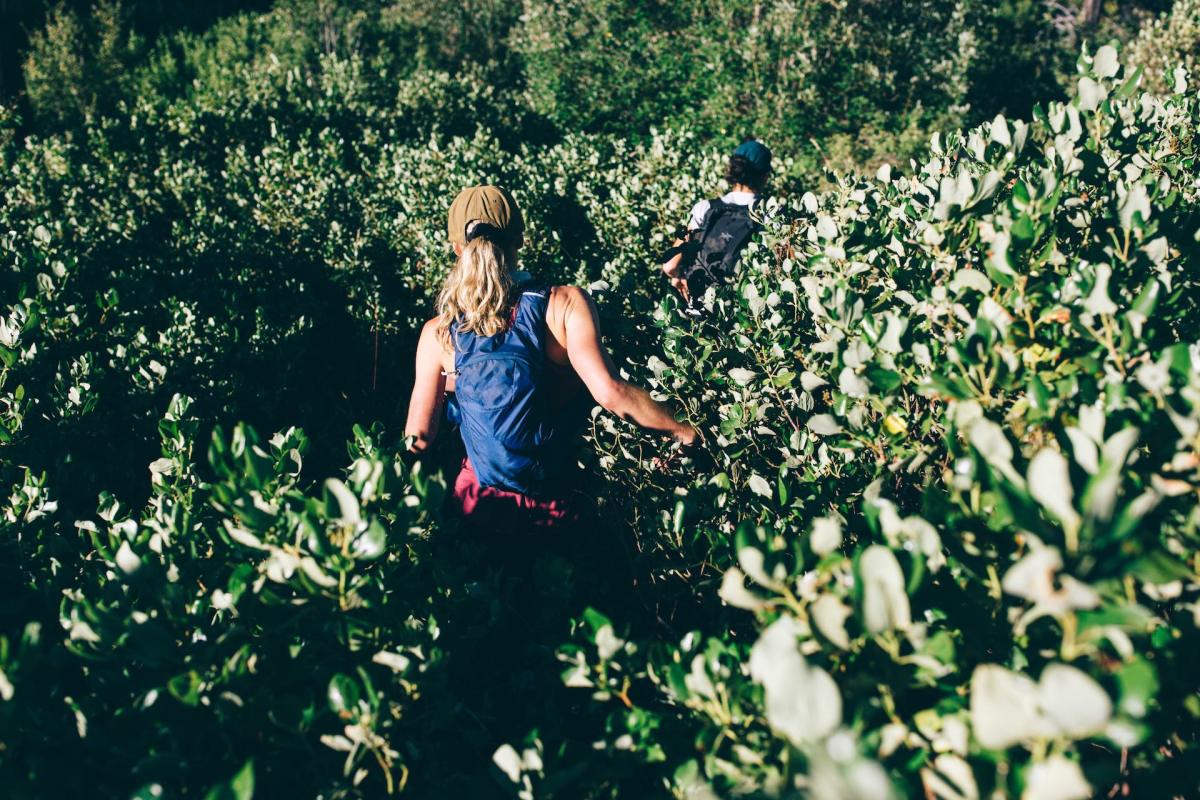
column 951, row 464
column 54, row 68
column 1021, row 59
column 258, row 617
column 865, row 74
column 953, row 416
column 473, row 32
column 1166, row 44
column 75, row 68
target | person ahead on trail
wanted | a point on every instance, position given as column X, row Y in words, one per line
column 718, row 229
column 525, row 363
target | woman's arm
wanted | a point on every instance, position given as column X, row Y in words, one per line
column 429, row 390
column 670, row 267
column 595, row 369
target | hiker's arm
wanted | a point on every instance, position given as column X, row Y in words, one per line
column 672, row 271
column 429, row 390
column 594, row 367
column 695, row 220
column 670, row 267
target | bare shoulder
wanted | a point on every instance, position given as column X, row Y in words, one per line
column 566, row 306
column 430, row 342
column 565, row 300
column 429, row 332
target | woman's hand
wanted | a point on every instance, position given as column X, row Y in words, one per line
column 680, row 285
column 686, row 438
column 686, row 435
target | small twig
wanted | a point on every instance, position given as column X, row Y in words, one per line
column 375, row 364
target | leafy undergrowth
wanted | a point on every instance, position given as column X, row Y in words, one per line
column 940, row 541
column 954, row 419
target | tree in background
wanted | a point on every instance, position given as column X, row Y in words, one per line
column 865, row 80
column 79, row 65
column 22, row 20
column 850, row 83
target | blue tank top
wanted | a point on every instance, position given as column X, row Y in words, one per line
column 518, row 436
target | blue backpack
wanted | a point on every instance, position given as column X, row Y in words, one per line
column 513, row 439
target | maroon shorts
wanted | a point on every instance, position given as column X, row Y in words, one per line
column 501, row 510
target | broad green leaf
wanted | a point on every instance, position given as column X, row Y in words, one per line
column 347, row 507
column 1135, row 207
column 734, row 592
column 1106, row 63
column 829, row 615
column 802, row 702
column 239, row 787
column 760, row 486
column 951, row 779
column 1056, row 778
column 127, row 560
column 824, row 425
column 343, row 695
column 810, row 382
column 1091, row 94
column 1004, row 707
column 1072, row 702
column 826, row 535
column 885, row 603
column 742, row 376
column 1050, row 485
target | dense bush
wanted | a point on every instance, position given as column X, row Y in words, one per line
column 953, row 418
column 858, row 78
column 75, row 68
column 941, row 537
column 847, row 83
column 1169, row 42
column 265, row 244
column 186, row 640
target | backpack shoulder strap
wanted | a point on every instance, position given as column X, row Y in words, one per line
column 716, row 207
column 532, row 287
column 529, row 313
column 533, row 298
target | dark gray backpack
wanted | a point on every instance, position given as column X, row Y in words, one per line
column 719, row 240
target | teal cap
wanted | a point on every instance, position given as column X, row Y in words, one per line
column 756, row 153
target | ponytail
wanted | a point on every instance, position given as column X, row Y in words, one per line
column 478, row 291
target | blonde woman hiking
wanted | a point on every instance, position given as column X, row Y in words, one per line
column 525, row 362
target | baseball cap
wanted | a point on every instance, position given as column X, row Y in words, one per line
column 756, row 153
column 489, row 204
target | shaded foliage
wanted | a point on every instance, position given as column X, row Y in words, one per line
column 941, row 537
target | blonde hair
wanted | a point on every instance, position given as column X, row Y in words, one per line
column 478, row 291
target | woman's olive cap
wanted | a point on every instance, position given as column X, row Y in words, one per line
column 489, row 204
